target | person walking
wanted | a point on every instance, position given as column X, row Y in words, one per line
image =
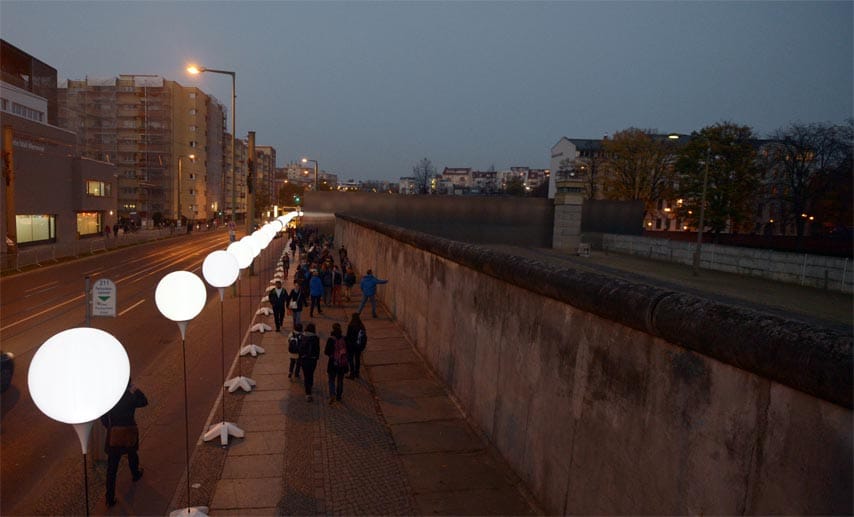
column 286, row 264
column 122, row 438
column 357, row 339
column 327, row 277
column 315, row 288
column 278, row 297
column 296, row 302
column 337, row 281
column 369, row 285
column 349, row 282
column 336, row 367
column 294, row 347
column 308, row 356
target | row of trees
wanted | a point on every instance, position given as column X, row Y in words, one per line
column 801, row 169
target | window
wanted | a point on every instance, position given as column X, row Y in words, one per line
column 89, row 223
column 36, row 228
column 98, row 188
column 192, row 95
column 192, row 111
column 192, row 129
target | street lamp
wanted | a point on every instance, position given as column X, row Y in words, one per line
column 306, row 160
column 696, row 264
column 195, row 70
column 696, row 257
column 192, row 157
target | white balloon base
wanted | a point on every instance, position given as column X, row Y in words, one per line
column 191, row 511
column 223, row 430
column 239, row 382
column 251, row 349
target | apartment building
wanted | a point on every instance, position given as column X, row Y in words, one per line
column 265, row 173
column 152, row 129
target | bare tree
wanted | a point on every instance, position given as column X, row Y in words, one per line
column 804, row 160
column 423, row 172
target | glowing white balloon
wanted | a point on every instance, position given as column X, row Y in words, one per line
column 242, row 252
column 180, row 296
column 252, row 245
column 78, row 375
column 220, row 268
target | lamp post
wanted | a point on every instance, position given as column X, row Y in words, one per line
column 197, row 70
column 696, row 265
column 306, row 160
column 695, row 269
column 192, row 157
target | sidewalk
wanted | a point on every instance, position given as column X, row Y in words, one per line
column 396, row 445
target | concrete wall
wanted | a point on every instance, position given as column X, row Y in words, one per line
column 493, row 220
column 609, row 397
column 812, row 270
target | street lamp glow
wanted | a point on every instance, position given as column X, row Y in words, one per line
column 193, row 69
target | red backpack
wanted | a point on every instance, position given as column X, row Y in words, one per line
column 339, row 355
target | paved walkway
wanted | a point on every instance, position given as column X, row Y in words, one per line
column 396, row 445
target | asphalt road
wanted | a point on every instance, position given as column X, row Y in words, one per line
column 41, row 470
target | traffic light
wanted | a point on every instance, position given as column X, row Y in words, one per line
column 296, row 199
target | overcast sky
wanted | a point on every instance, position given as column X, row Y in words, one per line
column 370, row 88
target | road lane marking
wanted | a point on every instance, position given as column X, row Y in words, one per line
column 36, row 315
column 41, row 286
column 81, row 296
column 137, row 304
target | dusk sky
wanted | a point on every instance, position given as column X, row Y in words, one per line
column 370, row 88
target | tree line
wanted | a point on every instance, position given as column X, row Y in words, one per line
column 802, row 173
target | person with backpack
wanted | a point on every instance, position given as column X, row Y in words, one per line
column 294, row 346
column 357, row 339
column 336, row 349
column 308, row 356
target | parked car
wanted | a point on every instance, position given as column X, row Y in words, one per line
column 7, row 368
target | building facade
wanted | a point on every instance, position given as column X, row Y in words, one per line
column 152, row 129
column 50, row 193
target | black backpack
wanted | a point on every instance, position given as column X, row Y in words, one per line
column 361, row 340
column 294, row 343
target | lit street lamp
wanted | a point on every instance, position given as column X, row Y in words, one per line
column 197, row 70
column 306, row 160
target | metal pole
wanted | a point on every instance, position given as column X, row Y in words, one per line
column 87, row 296
column 233, row 149
column 315, row 175
column 696, row 269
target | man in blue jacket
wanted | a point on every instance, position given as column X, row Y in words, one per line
column 369, row 290
column 315, row 289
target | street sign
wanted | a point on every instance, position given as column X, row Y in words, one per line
column 104, row 298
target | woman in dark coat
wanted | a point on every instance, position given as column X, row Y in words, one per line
column 357, row 338
column 296, row 302
column 309, row 354
column 118, row 420
column 337, row 366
